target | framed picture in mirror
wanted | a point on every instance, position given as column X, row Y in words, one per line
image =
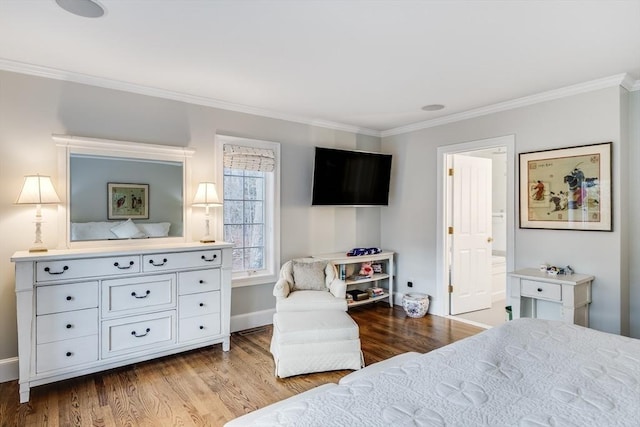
column 128, row 201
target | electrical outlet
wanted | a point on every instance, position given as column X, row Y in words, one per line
column 410, row 284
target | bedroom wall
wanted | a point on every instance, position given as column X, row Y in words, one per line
column 409, row 224
column 32, row 108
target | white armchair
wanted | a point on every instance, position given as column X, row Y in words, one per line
column 309, row 284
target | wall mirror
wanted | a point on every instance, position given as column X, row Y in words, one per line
column 118, row 192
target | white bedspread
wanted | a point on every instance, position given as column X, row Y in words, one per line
column 525, row 373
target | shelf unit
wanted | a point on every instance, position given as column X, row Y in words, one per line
column 352, row 266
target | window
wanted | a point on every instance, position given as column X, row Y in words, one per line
column 250, row 183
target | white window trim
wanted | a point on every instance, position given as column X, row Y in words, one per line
column 272, row 219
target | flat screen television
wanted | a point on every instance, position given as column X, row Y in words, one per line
column 350, row 178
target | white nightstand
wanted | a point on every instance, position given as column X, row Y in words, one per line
column 570, row 293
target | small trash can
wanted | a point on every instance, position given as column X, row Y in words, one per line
column 509, row 313
column 415, row 304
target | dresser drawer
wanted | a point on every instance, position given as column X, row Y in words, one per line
column 138, row 294
column 59, row 298
column 179, row 260
column 66, row 354
column 67, row 325
column 199, row 327
column 138, row 333
column 541, row 290
column 47, row 271
column 191, row 282
column 198, row 304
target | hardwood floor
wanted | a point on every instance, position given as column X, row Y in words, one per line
column 208, row 387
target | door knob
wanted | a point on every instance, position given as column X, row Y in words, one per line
column 489, row 239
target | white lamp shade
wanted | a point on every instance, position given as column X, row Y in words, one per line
column 37, row 190
column 206, row 195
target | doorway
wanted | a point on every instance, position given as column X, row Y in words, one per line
column 472, row 276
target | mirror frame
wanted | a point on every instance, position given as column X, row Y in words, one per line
column 69, row 145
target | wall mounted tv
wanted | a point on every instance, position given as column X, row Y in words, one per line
column 350, row 178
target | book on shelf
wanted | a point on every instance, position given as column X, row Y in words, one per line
column 375, row 292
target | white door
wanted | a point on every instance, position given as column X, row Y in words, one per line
column 470, row 249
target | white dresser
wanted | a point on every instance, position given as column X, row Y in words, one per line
column 87, row 310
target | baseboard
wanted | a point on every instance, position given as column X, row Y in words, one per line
column 8, row 369
column 241, row 322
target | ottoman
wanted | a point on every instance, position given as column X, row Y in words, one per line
column 315, row 341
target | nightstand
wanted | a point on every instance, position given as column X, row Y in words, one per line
column 537, row 294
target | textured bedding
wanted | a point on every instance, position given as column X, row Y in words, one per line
column 525, row 373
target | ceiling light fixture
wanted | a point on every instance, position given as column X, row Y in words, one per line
column 433, row 107
column 84, row 8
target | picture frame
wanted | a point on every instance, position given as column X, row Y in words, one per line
column 127, row 201
column 566, row 188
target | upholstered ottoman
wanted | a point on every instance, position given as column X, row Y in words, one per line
column 315, row 341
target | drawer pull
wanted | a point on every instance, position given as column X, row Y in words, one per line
column 141, row 335
column 126, row 267
column 69, row 354
column 213, row 257
column 69, row 298
column 48, row 270
column 69, row 326
column 146, row 294
column 164, row 261
column 539, row 289
column 201, row 327
column 201, row 304
column 201, row 281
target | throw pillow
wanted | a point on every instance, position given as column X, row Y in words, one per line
column 309, row 276
column 159, row 229
column 127, row 230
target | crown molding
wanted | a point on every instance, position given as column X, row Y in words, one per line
column 618, row 80
column 623, row 80
column 52, row 73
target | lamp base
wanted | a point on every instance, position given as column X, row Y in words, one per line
column 207, row 239
column 38, row 249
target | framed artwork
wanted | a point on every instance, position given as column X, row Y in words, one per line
column 127, row 201
column 566, row 188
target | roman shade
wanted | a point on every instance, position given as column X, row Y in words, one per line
column 249, row 158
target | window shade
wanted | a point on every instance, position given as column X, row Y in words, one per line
column 249, row 158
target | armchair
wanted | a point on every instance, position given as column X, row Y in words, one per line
column 308, row 284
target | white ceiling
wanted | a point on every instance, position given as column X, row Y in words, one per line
column 365, row 64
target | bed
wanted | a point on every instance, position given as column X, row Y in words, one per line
column 527, row 372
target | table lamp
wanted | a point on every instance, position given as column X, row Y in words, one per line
column 38, row 190
column 206, row 196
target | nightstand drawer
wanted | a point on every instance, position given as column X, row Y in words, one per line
column 138, row 333
column 541, row 290
column 47, row 271
column 191, row 282
column 67, row 353
column 138, row 294
column 199, row 304
column 198, row 327
column 67, row 325
column 59, row 298
column 173, row 261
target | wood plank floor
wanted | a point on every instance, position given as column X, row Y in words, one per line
column 208, row 387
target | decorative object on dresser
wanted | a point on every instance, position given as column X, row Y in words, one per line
column 379, row 274
column 538, row 294
column 206, row 196
column 87, row 310
column 37, row 190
